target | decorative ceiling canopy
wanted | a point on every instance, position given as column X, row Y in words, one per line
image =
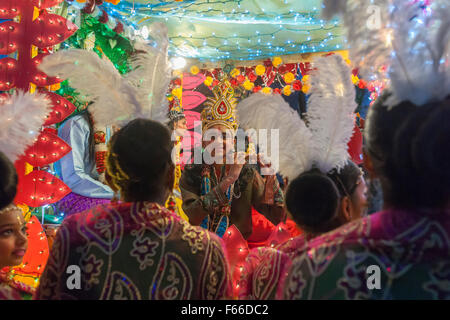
column 235, row 30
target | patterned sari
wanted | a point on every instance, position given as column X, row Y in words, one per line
column 202, row 194
column 135, row 251
column 408, row 254
column 13, row 290
column 8, row 293
column 265, row 266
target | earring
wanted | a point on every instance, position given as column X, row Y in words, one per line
column 171, row 202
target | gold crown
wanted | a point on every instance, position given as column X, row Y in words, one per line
column 220, row 109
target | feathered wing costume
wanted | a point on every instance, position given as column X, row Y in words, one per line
column 151, row 74
column 402, row 41
column 330, row 112
column 21, row 117
column 118, row 99
column 114, row 99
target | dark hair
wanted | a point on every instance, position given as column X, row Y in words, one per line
column 313, row 197
column 410, row 149
column 171, row 125
column 8, row 181
column 87, row 116
column 346, row 179
column 142, row 149
column 302, row 106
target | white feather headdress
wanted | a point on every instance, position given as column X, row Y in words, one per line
column 400, row 40
column 114, row 99
column 330, row 113
column 151, row 73
column 260, row 111
column 21, row 118
column 117, row 99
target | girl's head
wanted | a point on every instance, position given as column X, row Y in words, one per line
column 8, row 181
column 13, row 236
column 178, row 124
column 322, row 202
column 139, row 162
column 408, row 148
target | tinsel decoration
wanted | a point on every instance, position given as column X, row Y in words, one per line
column 116, row 47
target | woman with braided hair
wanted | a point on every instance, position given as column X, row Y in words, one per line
column 136, row 249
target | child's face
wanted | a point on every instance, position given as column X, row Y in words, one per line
column 13, row 238
column 181, row 124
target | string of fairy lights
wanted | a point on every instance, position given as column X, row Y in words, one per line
column 229, row 30
column 247, row 48
column 214, row 11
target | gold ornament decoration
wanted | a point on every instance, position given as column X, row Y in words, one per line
column 260, row 70
column 277, row 61
column 194, row 70
column 267, row 90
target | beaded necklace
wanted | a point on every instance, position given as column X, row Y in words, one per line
column 217, row 221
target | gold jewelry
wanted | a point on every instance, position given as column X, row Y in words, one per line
column 118, row 176
column 11, row 207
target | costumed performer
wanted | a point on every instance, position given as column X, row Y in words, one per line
column 219, row 194
column 178, row 126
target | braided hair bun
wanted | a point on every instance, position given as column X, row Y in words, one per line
column 139, row 155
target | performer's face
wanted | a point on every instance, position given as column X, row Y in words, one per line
column 223, row 142
column 359, row 199
column 181, row 124
column 13, row 238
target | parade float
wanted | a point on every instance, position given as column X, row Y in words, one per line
column 258, row 46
